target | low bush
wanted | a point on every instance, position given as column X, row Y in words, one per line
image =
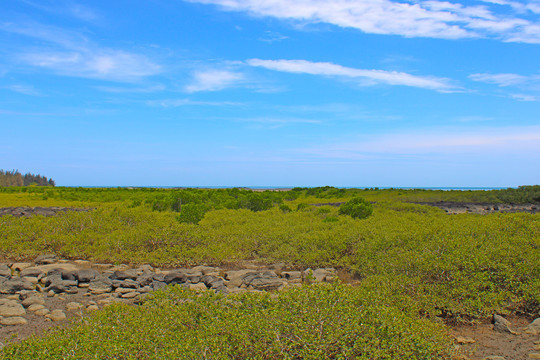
column 357, row 208
column 312, row 322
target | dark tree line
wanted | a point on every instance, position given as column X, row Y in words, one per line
column 15, row 178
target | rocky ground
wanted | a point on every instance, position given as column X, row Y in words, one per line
column 29, row 211
column 36, row 296
column 482, row 208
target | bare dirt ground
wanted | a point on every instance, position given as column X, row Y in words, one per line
column 488, row 342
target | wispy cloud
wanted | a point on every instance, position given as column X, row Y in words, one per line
column 500, row 79
column 438, row 141
column 422, row 18
column 525, row 97
column 140, row 90
column 515, row 82
column 166, row 103
column 364, row 77
column 271, row 37
column 23, row 89
column 68, row 8
column 70, row 53
column 214, row 80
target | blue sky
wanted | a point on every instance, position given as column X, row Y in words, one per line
column 271, row 92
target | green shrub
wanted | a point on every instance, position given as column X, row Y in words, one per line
column 357, row 207
column 312, row 322
column 285, row 208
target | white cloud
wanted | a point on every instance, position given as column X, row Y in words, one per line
column 214, row 80
column 437, row 19
column 105, row 64
column 524, row 97
column 140, row 90
column 72, row 54
column 188, row 102
column 440, row 141
column 366, row 77
column 23, row 89
column 500, row 79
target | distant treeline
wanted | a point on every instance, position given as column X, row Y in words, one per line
column 15, row 178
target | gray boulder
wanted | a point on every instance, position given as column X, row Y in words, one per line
column 5, row 271
column 500, row 324
column 124, row 275
column 265, row 280
column 11, row 286
column 31, row 272
column 86, row 275
column 46, row 259
column 175, row 277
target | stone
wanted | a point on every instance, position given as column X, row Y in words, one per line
column 500, row 324
column 208, row 270
column 192, row 276
column 74, row 306
column 13, row 285
column 35, row 307
column 494, row 357
column 324, row 275
column 125, row 283
column 11, row 308
column 31, row 272
column 33, row 280
column 292, row 276
column 42, row 312
column 264, row 280
column 123, row 290
column 12, row 321
column 5, row 271
column 156, row 285
column 124, row 275
column 56, row 315
column 70, row 275
column 121, row 267
column 130, row 295
column 145, row 278
column 46, row 259
column 144, row 268
column 100, row 286
column 534, row 356
column 57, row 268
column 215, row 283
column 533, row 328
column 82, row 263
column 102, row 267
column 198, row 287
column 464, row 340
column 84, row 285
column 175, row 277
column 20, row 266
column 33, row 301
column 86, row 275
column 92, row 308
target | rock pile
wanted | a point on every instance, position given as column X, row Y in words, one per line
column 30, row 290
column 29, row 211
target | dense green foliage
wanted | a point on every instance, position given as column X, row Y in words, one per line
column 312, row 322
column 414, row 261
column 15, row 178
column 357, row 208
